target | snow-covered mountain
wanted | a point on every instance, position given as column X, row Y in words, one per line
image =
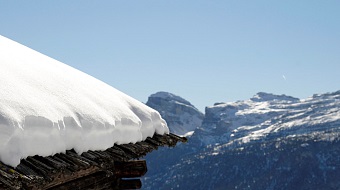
column 181, row 116
column 266, row 142
column 268, row 116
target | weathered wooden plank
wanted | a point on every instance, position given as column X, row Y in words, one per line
column 63, row 178
column 130, row 153
column 176, row 139
column 26, row 169
column 116, row 156
column 153, row 142
column 66, row 159
column 98, row 180
column 51, row 161
column 9, row 180
column 90, row 156
column 86, row 162
column 41, row 165
column 131, row 169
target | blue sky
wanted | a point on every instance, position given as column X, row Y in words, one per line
column 205, row 51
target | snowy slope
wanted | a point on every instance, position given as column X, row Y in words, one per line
column 268, row 116
column 47, row 107
column 266, row 142
column 181, row 116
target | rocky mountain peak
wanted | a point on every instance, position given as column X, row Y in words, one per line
column 263, row 96
column 167, row 96
column 181, row 116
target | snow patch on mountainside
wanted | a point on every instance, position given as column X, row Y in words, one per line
column 47, row 107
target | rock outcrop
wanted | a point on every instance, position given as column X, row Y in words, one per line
column 181, row 116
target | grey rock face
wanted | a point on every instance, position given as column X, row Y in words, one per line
column 181, row 116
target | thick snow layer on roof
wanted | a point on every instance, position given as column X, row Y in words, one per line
column 47, row 107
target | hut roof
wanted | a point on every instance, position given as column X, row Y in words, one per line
column 64, row 171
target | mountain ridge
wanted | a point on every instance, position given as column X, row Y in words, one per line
column 266, row 142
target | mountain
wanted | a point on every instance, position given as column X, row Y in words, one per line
column 266, row 142
column 179, row 113
column 182, row 119
column 269, row 117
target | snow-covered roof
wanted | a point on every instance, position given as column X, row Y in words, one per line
column 47, row 107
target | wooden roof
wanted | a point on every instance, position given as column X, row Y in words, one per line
column 85, row 171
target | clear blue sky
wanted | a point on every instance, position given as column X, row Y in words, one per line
column 205, row 51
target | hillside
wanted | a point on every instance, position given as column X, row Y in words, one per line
column 266, row 142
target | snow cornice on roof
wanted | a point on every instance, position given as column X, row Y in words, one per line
column 48, row 107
